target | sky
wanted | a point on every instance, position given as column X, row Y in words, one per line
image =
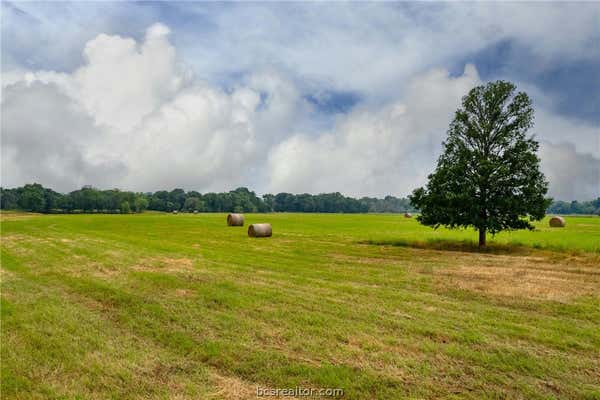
column 294, row 97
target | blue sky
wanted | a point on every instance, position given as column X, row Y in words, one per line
column 320, row 81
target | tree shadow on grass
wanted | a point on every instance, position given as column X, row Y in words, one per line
column 455, row 245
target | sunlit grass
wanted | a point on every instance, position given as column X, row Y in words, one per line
column 164, row 306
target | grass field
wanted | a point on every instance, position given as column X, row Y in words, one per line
column 181, row 306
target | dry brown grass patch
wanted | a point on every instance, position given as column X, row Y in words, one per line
column 104, row 271
column 231, row 387
column 14, row 243
column 6, row 275
column 16, row 239
column 15, row 216
column 166, row 265
column 534, row 277
column 183, row 293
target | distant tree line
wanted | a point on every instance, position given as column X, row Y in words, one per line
column 575, row 207
column 36, row 198
column 325, row 203
column 389, row 204
column 238, row 200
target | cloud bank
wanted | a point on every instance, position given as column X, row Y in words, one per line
column 135, row 115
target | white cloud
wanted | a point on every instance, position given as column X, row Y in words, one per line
column 549, row 127
column 572, row 175
column 131, row 102
column 122, row 82
column 132, row 116
column 204, row 138
column 373, row 48
column 391, row 150
column 374, row 152
column 47, row 137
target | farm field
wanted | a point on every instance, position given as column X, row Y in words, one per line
column 181, row 306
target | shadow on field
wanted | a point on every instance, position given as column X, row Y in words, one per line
column 453, row 245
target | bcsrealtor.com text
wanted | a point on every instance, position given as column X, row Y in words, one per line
column 299, row 392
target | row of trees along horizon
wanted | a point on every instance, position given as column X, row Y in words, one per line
column 36, row 198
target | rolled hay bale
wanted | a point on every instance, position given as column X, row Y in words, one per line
column 557, row 222
column 174, row 211
column 195, row 211
column 407, row 215
column 235, row 220
column 260, row 230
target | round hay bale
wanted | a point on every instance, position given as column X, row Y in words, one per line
column 260, row 230
column 235, row 220
column 174, row 211
column 195, row 211
column 557, row 222
column 407, row 215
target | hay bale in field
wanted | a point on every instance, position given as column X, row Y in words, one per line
column 407, row 215
column 235, row 219
column 195, row 211
column 174, row 211
column 260, row 230
column 557, row 222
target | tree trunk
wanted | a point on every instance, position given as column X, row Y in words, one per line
column 481, row 237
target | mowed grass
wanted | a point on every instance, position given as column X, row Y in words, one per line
column 182, row 306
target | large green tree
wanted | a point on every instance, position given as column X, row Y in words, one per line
column 488, row 176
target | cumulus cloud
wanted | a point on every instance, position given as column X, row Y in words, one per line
column 387, row 150
column 211, row 139
column 572, row 175
column 122, row 82
column 375, row 152
column 203, row 138
column 46, row 137
column 549, row 127
column 132, row 115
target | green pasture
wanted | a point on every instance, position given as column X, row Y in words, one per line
column 181, row 306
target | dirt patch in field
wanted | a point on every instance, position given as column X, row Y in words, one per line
column 537, row 277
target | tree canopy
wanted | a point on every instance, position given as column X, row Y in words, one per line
column 488, row 176
column 91, row 200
